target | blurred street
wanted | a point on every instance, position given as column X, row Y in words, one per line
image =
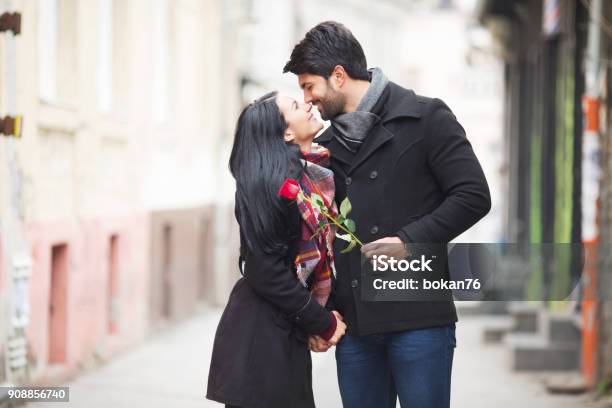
column 118, row 238
column 171, row 370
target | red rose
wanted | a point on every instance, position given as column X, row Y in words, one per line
column 289, row 190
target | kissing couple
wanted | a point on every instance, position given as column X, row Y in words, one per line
column 411, row 176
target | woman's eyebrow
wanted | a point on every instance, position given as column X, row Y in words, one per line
column 294, row 105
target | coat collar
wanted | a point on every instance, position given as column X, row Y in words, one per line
column 337, row 151
column 401, row 103
column 378, row 136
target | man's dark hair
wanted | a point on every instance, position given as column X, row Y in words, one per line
column 326, row 45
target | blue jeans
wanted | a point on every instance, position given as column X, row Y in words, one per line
column 415, row 365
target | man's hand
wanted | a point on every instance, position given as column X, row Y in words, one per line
column 390, row 246
column 340, row 328
column 318, row 344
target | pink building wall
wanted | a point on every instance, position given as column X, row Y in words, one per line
column 87, row 334
column 181, row 263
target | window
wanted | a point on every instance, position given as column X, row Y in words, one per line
column 161, row 47
column 105, row 56
column 47, row 48
column 57, row 50
column 113, row 57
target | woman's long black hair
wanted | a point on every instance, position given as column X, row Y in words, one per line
column 260, row 162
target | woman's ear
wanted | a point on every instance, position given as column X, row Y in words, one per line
column 289, row 136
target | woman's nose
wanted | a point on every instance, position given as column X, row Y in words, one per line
column 307, row 107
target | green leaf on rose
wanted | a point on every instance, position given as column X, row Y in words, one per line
column 350, row 225
column 345, row 207
column 317, row 200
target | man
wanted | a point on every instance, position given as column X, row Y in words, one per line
column 412, row 177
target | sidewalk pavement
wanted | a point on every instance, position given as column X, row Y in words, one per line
column 171, row 370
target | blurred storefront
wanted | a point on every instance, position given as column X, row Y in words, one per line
column 554, row 162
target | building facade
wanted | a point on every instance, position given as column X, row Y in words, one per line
column 113, row 219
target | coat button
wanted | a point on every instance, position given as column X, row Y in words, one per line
column 373, row 175
column 354, row 283
column 374, row 230
column 297, row 318
column 348, row 181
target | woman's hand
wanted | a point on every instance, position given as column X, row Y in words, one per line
column 319, row 345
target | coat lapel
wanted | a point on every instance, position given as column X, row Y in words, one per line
column 337, row 151
column 401, row 103
column 378, row 136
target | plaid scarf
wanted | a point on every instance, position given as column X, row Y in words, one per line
column 315, row 258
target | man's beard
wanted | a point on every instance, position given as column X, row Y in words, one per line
column 333, row 105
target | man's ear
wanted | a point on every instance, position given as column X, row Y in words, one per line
column 339, row 76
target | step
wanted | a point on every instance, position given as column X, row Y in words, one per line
column 481, row 307
column 523, row 307
column 572, row 383
column 495, row 307
column 534, row 352
column 526, row 317
column 563, row 328
column 468, row 308
column 496, row 328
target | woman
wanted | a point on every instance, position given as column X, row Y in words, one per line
column 260, row 355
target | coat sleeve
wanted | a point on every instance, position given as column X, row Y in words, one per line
column 456, row 169
column 271, row 277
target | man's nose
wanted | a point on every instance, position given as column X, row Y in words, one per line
column 307, row 98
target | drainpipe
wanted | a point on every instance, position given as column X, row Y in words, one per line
column 591, row 174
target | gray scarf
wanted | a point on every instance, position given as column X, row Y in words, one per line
column 352, row 128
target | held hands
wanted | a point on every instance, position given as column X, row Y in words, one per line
column 318, row 344
column 390, row 246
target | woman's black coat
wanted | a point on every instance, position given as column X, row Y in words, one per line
column 260, row 355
